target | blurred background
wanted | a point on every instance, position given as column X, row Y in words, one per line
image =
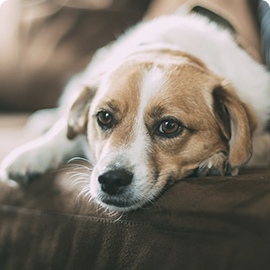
column 44, row 42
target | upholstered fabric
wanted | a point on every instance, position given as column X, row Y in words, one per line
column 199, row 223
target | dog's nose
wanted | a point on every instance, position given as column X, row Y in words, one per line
column 114, row 182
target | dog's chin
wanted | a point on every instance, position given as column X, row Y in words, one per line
column 126, row 202
column 119, row 204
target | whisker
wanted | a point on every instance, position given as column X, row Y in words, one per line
column 90, row 200
column 70, row 166
column 79, row 176
column 79, row 182
column 78, row 159
column 120, row 216
column 84, row 190
column 75, row 172
column 75, row 167
column 79, row 167
column 112, row 213
column 88, row 166
column 99, row 208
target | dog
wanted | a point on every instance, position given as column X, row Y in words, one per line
column 172, row 97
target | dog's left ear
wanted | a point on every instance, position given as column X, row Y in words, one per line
column 78, row 114
column 236, row 122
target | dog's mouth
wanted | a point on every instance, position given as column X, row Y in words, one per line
column 121, row 203
column 124, row 202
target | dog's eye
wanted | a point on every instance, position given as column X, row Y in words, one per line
column 169, row 128
column 104, row 119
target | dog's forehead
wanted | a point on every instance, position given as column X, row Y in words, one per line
column 153, row 84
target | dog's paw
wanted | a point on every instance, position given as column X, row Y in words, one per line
column 25, row 164
column 216, row 165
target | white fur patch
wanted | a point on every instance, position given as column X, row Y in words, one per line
column 153, row 82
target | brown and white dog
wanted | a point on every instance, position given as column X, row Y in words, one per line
column 171, row 97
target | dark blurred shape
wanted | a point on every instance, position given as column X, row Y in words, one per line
column 43, row 43
column 264, row 19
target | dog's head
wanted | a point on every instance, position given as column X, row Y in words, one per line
column 155, row 119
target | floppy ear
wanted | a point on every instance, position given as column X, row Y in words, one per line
column 78, row 114
column 236, row 121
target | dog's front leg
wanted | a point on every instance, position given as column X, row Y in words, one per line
column 41, row 155
column 216, row 165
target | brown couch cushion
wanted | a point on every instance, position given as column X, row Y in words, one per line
column 199, row 223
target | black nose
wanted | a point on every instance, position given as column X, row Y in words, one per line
column 114, row 182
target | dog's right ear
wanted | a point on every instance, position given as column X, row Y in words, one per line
column 78, row 114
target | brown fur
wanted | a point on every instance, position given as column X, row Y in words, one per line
column 78, row 116
column 235, row 124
